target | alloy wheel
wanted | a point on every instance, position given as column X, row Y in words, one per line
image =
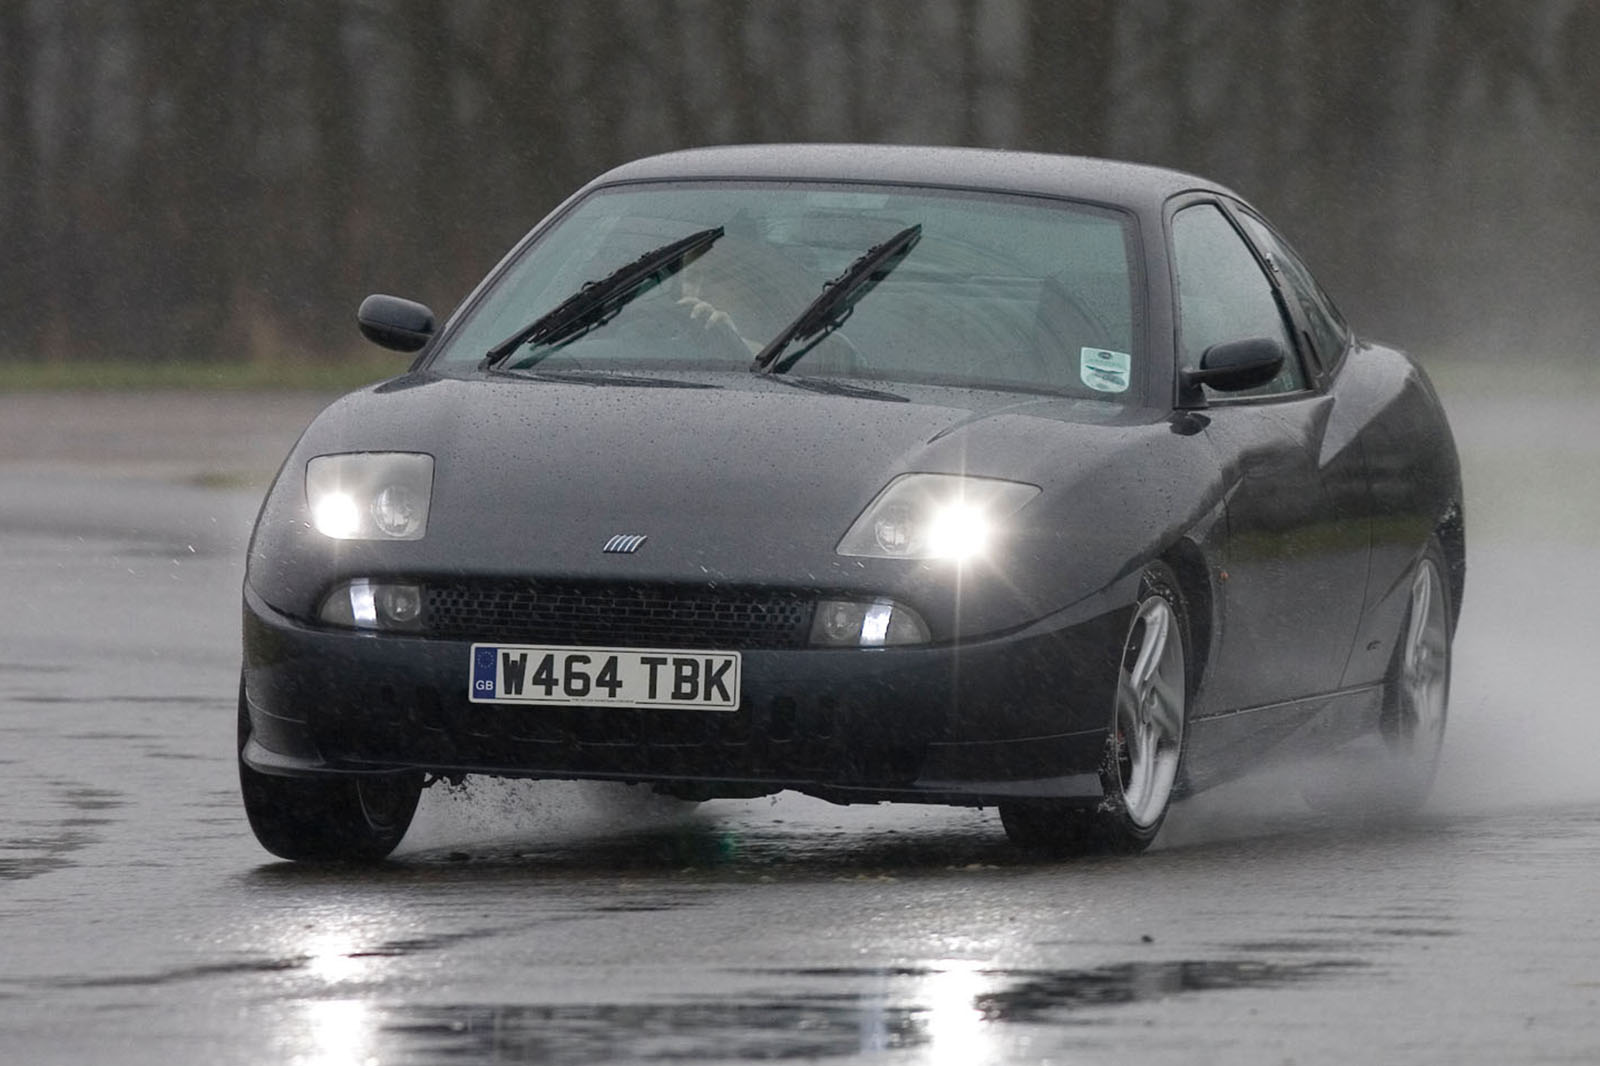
column 1151, row 704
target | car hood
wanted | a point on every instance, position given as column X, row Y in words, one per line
column 733, row 479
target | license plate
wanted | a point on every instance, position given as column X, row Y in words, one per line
column 612, row 677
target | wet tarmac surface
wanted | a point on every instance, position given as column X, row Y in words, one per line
column 551, row 923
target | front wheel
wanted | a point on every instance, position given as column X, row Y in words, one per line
column 1144, row 747
column 349, row 818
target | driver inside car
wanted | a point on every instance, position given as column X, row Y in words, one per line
column 744, row 288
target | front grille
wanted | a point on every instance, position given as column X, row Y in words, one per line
column 637, row 616
column 785, row 738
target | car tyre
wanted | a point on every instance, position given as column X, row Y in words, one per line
column 1145, row 744
column 337, row 818
column 1416, row 701
column 1416, row 694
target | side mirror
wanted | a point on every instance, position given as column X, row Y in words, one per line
column 1235, row 366
column 391, row 322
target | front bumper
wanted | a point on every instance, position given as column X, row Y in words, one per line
column 1022, row 715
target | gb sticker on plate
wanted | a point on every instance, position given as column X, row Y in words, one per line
column 1105, row 371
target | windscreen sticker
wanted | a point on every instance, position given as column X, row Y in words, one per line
column 1105, row 371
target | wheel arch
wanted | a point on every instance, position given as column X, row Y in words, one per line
column 1452, row 534
column 1194, row 582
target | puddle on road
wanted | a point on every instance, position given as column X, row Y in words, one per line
column 961, row 1012
column 1046, row 997
column 187, row 973
column 23, row 857
column 52, row 843
column 802, row 1028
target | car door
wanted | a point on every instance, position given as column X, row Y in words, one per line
column 1292, row 582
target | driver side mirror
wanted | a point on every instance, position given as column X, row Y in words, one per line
column 1234, row 366
column 391, row 322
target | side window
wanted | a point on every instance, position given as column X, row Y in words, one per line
column 1223, row 295
column 1327, row 332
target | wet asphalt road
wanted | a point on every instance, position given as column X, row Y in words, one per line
column 140, row 923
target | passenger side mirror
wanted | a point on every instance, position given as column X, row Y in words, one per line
column 391, row 322
column 1234, row 366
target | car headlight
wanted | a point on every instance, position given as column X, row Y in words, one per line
column 934, row 516
column 370, row 495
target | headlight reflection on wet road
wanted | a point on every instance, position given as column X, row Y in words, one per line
column 956, row 1030
column 334, row 957
column 339, row 1032
column 339, row 962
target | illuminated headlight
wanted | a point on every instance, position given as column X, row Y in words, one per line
column 370, row 495
column 935, row 516
column 364, row 604
column 879, row 624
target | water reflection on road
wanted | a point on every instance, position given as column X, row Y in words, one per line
column 950, row 1011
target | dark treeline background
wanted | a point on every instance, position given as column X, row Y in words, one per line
column 225, row 180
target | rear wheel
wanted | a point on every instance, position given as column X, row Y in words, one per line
column 338, row 818
column 1144, row 747
column 1416, row 698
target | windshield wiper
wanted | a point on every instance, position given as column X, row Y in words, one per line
column 598, row 301
column 839, row 296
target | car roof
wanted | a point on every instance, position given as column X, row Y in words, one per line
column 1143, row 188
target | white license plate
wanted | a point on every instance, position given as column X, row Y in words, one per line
column 612, row 677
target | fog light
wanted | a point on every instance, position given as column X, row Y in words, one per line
column 839, row 622
column 364, row 604
column 399, row 605
column 875, row 624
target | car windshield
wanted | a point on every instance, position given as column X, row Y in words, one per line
column 1018, row 292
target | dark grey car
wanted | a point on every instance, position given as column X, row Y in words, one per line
column 928, row 475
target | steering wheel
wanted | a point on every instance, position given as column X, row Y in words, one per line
column 673, row 327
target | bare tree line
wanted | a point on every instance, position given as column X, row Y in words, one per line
column 226, row 180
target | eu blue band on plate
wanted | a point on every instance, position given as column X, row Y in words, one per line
column 483, row 670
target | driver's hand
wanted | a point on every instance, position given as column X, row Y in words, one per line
column 712, row 319
column 707, row 315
